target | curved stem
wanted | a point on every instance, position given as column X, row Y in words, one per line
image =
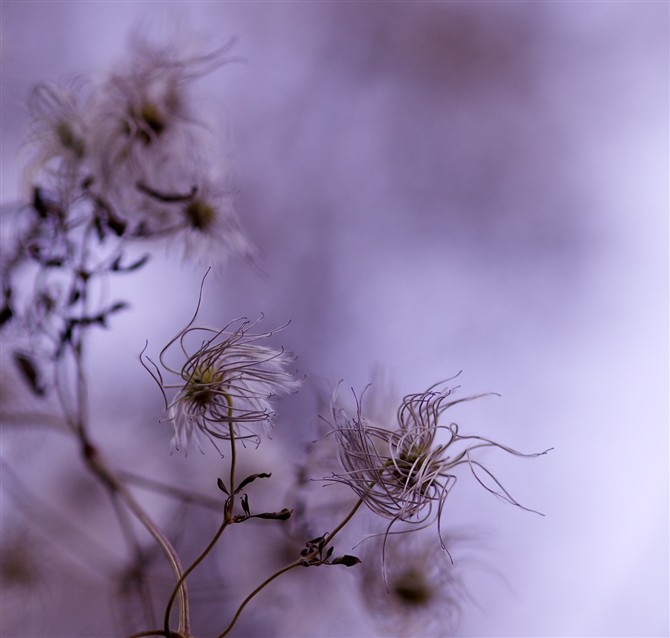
column 91, row 456
column 348, row 517
column 141, row 582
column 233, row 453
column 97, row 466
column 262, row 586
column 283, row 570
column 168, row 550
column 185, row 575
column 182, row 495
column 228, row 518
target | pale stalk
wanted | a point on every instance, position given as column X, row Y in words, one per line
column 288, row 567
column 228, row 518
column 116, row 486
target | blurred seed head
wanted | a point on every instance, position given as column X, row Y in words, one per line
column 401, row 471
column 227, row 383
column 423, row 590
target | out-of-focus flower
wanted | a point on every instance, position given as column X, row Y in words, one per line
column 59, row 135
column 210, row 226
column 145, row 115
column 26, row 567
column 405, row 474
column 226, row 385
column 198, row 214
column 422, row 591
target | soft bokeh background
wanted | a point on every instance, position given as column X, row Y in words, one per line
column 434, row 187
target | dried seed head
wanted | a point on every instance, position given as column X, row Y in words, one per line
column 226, row 385
column 402, row 473
column 421, row 592
column 200, row 215
column 411, row 588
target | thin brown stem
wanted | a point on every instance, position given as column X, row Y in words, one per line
column 348, row 517
column 301, row 562
column 227, row 519
column 92, row 458
column 141, row 582
column 185, row 496
column 150, row 632
column 98, row 467
column 233, row 452
column 258, row 589
column 186, row 574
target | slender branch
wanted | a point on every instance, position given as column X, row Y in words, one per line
column 166, row 197
column 170, row 490
column 92, row 458
column 348, row 517
column 181, row 581
column 258, row 589
column 57, row 528
column 35, row 419
column 97, row 466
column 233, row 452
column 150, row 632
column 297, row 563
column 142, row 584
column 228, row 518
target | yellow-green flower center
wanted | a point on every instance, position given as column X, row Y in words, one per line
column 406, row 467
column 412, row 589
column 201, row 385
column 69, row 139
column 200, row 214
column 151, row 117
column 148, row 120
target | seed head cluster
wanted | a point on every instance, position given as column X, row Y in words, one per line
column 227, row 383
column 405, row 471
column 421, row 593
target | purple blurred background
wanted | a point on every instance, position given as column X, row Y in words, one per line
column 434, row 187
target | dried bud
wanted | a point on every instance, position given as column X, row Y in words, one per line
column 346, row 560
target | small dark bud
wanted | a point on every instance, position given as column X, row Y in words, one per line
column 250, row 479
column 116, row 224
column 75, row 295
column 105, row 214
column 316, row 541
column 283, row 515
column 346, row 560
column 116, row 307
column 54, row 262
column 166, row 197
column 38, row 202
column 245, row 505
column 44, row 207
column 99, row 230
column 117, row 267
column 65, row 338
column 222, row 487
column 5, row 314
column 89, row 450
column 29, row 372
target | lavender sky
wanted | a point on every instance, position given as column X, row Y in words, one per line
column 437, row 187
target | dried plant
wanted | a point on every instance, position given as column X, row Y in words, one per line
column 122, row 165
column 404, row 474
